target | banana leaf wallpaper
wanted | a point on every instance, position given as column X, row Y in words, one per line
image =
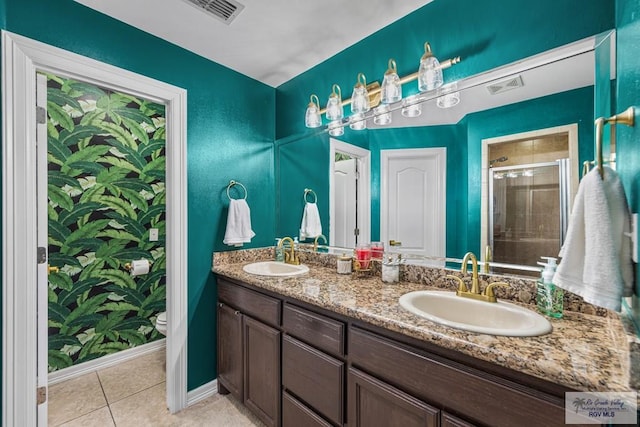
column 106, row 189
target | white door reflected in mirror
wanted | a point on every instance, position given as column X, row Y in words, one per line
column 413, row 201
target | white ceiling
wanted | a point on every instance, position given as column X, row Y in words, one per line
column 270, row 41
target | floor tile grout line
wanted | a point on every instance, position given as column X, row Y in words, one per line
column 105, row 399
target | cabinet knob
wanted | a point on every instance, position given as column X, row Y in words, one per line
column 236, row 312
column 220, row 305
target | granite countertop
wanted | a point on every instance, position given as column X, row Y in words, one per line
column 584, row 352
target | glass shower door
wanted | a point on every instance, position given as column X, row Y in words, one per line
column 528, row 212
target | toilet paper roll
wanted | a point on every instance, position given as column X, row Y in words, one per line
column 139, row 266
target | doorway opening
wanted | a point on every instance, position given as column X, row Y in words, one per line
column 349, row 194
column 24, row 266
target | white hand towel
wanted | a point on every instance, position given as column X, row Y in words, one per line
column 238, row 223
column 311, row 227
column 596, row 256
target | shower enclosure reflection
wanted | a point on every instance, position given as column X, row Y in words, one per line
column 527, row 212
column 529, row 192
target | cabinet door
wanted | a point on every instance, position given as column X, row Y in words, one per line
column 230, row 358
column 448, row 420
column 295, row 414
column 373, row 403
column 262, row 370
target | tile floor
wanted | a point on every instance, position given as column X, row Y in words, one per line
column 133, row 394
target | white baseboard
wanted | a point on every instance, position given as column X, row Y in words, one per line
column 105, row 361
column 204, row 391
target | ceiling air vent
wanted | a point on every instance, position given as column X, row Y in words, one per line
column 223, row 10
column 505, row 85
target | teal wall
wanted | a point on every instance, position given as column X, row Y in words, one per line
column 230, row 133
column 486, row 34
column 628, row 94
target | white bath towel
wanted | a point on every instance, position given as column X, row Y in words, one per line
column 311, row 227
column 238, row 223
column 596, row 256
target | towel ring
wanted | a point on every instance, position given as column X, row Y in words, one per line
column 231, row 184
column 308, row 191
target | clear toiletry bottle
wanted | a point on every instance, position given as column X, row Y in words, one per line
column 279, row 251
column 549, row 298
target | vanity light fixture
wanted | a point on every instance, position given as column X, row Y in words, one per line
column 334, row 104
column 379, row 98
column 382, row 115
column 391, row 87
column 360, row 97
column 412, row 106
column 312, row 116
column 358, row 121
column 450, row 96
column 430, row 71
column 336, row 128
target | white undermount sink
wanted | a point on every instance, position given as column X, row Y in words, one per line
column 499, row 318
column 275, row 269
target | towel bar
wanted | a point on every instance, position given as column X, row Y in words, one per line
column 625, row 118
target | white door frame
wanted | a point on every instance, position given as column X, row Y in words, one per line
column 21, row 58
column 364, row 187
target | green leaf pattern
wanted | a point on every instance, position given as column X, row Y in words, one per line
column 106, row 154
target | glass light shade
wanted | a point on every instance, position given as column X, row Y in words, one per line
column 391, row 89
column 450, row 96
column 381, row 115
column 429, row 73
column 357, row 122
column 411, row 107
column 334, row 104
column 312, row 117
column 360, row 97
column 336, row 128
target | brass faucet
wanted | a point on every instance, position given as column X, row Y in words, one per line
column 290, row 257
column 475, row 293
column 315, row 242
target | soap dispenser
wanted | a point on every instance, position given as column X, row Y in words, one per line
column 279, row 251
column 549, row 298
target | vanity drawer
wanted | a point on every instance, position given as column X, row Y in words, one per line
column 320, row 331
column 441, row 383
column 295, row 414
column 254, row 304
column 314, row 378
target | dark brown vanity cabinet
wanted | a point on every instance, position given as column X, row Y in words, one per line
column 295, row 367
column 313, row 369
column 249, row 349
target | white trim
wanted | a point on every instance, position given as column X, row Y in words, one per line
column 572, row 135
column 203, row 392
column 364, row 187
column 22, row 57
column 105, row 361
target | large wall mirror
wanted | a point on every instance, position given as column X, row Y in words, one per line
column 502, row 180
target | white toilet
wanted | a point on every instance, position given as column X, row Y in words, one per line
column 161, row 323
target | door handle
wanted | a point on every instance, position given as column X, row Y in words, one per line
column 52, row 269
column 394, row 243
